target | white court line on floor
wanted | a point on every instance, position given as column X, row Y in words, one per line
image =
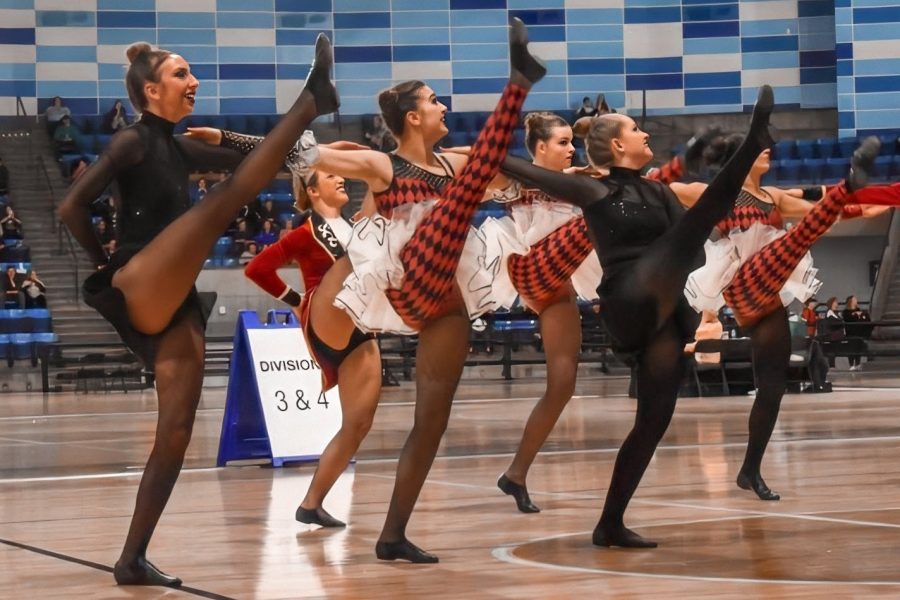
column 793, row 442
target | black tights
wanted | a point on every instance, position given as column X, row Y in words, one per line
column 771, row 341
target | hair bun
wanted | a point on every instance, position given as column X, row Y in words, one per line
column 136, row 50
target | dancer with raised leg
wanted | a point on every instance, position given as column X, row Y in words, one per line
column 146, row 288
column 648, row 245
column 354, row 365
column 757, row 269
column 402, row 270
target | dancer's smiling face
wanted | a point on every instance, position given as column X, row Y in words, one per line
column 429, row 116
column 556, row 153
column 174, row 95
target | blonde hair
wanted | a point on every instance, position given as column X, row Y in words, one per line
column 598, row 140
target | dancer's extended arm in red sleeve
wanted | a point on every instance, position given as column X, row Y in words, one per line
column 263, row 269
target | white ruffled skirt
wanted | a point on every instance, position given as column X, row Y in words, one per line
column 374, row 249
column 724, row 257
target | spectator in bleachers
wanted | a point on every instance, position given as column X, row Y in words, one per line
column 379, row 136
column 106, row 236
column 267, row 212
column 810, row 316
column 11, row 225
column 267, row 236
column 55, row 113
column 241, row 237
column 35, row 291
column 66, row 136
column 833, row 326
column 201, row 190
column 248, row 253
column 11, row 288
column 286, row 228
column 4, row 179
column 115, row 118
column 587, row 109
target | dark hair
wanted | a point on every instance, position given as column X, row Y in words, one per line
column 599, row 137
column 539, row 126
column 849, row 298
column 144, row 62
column 831, row 301
column 395, row 102
column 721, row 149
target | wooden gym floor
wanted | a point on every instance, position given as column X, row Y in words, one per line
column 71, row 464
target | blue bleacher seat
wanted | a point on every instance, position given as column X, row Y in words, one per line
column 42, row 340
column 846, row 146
column 237, row 123
column 4, row 346
column 835, row 169
column 827, row 147
column 888, row 145
column 21, row 345
column 223, row 246
column 784, row 150
column 256, row 125
column 789, row 171
column 806, row 149
column 813, row 169
column 40, row 320
column 883, row 166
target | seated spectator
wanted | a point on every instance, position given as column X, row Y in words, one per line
column 11, row 225
column 267, row 212
column 241, row 237
column 4, row 179
column 267, row 236
column 115, row 118
column 35, row 291
column 586, row 109
column 106, row 236
column 66, row 137
column 710, row 328
column 287, row 227
column 810, row 317
column 379, row 136
column 55, row 113
column 833, row 328
column 248, row 253
column 11, row 288
column 201, row 190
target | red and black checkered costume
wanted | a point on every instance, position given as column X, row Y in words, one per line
column 754, row 290
column 314, row 247
column 543, row 275
column 432, row 254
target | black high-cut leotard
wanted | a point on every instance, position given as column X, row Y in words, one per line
column 150, row 166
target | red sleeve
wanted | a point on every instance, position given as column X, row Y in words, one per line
column 263, row 269
column 883, row 195
column 669, row 172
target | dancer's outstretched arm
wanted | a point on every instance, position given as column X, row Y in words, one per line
column 580, row 190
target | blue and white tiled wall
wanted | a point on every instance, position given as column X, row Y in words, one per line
column 251, row 55
column 868, row 66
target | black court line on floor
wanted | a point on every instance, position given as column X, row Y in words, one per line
column 99, row 567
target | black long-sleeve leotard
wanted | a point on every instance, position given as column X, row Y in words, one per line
column 151, row 167
column 624, row 212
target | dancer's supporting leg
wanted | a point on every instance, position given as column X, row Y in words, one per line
column 155, row 283
column 560, row 324
column 771, row 340
column 423, row 302
column 359, row 384
column 543, row 277
column 642, row 316
column 157, row 279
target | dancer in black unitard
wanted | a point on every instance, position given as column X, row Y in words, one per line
column 647, row 244
column 146, row 288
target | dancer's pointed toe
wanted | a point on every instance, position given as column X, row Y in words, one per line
column 403, row 550
column 757, row 485
column 142, row 572
column 519, row 492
